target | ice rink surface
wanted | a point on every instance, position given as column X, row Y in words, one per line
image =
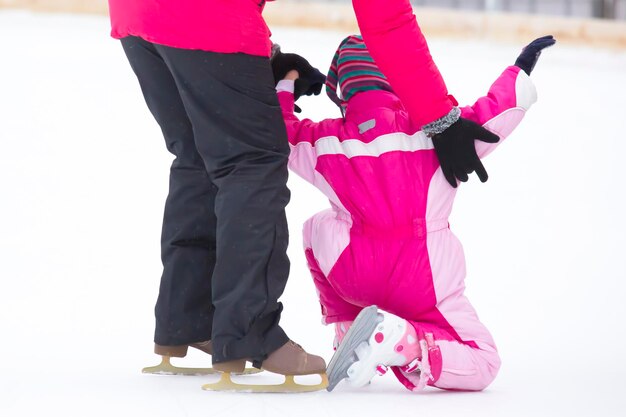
column 83, row 178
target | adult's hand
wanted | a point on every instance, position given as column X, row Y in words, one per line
column 456, row 150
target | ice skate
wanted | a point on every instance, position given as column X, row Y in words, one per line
column 180, row 351
column 373, row 343
column 289, row 360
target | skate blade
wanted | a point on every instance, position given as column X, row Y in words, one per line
column 166, row 368
column 360, row 331
column 289, row 386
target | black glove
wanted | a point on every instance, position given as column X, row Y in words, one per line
column 530, row 54
column 457, row 153
column 310, row 81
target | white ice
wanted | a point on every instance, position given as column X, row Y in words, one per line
column 83, row 178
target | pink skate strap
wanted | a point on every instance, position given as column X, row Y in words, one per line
column 382, row 370
column 434, row 357
column 429, row 365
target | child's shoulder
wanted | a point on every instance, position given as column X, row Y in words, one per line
column 378, row 123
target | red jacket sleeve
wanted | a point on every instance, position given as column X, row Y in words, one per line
column 395, row 41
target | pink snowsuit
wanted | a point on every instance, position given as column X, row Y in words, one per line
column 386, row 240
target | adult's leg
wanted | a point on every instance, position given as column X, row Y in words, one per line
column 241, row 136
column 184, row 312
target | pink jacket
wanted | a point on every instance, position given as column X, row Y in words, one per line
column 226, row 26
column 377, row 168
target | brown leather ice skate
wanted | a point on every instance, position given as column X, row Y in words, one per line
column 180, row 351
column 289, row 360
column 292, row 359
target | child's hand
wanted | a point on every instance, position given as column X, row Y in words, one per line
column 310, row 79
column 530, row 54
column 292, row 75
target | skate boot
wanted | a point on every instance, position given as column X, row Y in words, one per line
column 180, row 351
column 372, row 344
column 289, row 360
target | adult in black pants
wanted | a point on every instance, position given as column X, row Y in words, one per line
column 204, row 69
column 225, row 235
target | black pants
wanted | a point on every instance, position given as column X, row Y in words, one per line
column 224, row 237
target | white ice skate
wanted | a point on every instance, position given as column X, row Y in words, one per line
column 369, row 347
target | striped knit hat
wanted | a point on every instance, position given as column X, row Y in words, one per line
column 353, row 70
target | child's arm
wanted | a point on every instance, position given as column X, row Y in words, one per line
column 303, row 134
column 503, row 108
column 509, row 97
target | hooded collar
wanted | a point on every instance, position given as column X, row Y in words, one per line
column 368, row 105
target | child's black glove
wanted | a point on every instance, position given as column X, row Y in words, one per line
column 531, row 53
column 310, row 81
column 457, row 153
